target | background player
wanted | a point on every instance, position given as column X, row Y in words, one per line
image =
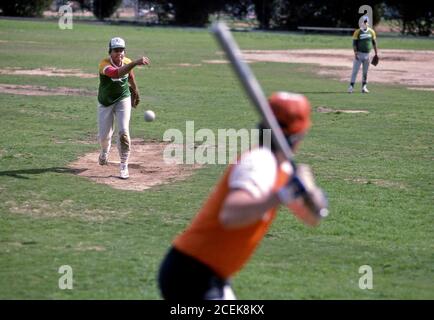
column 238, row 213
column 364, row 39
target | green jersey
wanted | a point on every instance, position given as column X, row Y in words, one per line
column 363, row 40
column 112, row 90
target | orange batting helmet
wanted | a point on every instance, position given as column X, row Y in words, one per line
column 292, row 111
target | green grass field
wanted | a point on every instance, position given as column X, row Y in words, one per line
column 377, row 169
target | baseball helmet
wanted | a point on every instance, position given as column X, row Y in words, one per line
column 292, row 112
column 116, row 43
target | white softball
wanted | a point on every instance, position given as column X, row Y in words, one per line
column 149, row 115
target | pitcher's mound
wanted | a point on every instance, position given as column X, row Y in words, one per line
column 146, row 167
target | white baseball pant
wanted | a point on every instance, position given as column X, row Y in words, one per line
column 363, row 58
column 120, row 110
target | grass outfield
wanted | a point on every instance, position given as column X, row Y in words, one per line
column 377, row 169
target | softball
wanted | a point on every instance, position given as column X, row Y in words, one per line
column 149, row 115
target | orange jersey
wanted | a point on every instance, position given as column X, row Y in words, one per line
column 224, row 251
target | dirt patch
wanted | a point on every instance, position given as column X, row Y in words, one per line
column 411, row 68
column 330, row 110
column 186, row 65
column 37, row 208
column 225, row 61
column 72, row 141
column 19, row 41
column 146, row 167
column 48, row 72
column 29, row 90
column 215, row 61
column 421, row 88
column 83, row 247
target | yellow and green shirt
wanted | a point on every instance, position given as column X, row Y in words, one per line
column 112, row 90
column 363, row 40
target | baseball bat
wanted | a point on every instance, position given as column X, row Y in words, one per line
column 257, row 97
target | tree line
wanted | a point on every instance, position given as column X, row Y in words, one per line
column 415, row 17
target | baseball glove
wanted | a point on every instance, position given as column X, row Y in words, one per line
column 375, row 60
column 135, row 98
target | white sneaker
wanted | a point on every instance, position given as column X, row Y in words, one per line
column 365, row 89
column 350, row 89
column 124, row 171
column 103, row 159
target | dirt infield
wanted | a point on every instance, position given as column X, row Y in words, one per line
column 32, row 90
column 146, row 166
column 411, row 68
column 29, row 90
column 48, row 72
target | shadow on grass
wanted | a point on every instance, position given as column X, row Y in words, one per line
column 20, row 174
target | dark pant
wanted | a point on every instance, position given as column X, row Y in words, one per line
column 183, row 277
